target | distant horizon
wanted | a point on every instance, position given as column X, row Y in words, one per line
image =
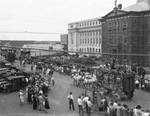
column 30, row 40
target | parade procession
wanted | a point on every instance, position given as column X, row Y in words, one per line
column 102, row 87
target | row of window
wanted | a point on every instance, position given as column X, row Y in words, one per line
column 90, row 23
column 90, row 33
column 86, row 24
column 90, row 50
column 117, row 25
column 117, row 40
column 90, row 41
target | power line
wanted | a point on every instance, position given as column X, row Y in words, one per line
column 115, row 54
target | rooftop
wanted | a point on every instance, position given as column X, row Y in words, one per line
column 141, row 6
column 86, row 20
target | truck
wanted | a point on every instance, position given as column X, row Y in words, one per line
column 117, row 84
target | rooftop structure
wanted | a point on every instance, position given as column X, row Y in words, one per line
column 139, row 6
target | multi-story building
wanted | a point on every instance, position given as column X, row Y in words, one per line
column 126, row 34
column 64, row 41
column 85, row 36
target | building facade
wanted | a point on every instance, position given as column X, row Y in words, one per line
column 43, row 49
column 126, row 34
column 64, row 41
column 85, row 36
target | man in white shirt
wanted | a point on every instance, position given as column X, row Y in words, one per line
column 80, row 105
column 85, row 100
column 89, row 104
column 146, row 113
column 71, row 103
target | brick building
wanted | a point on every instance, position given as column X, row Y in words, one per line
column 126, row 34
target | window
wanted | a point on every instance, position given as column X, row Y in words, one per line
column 71, row 26
column 110, row 40
column 82, row 41
column 87, row 49
column 96, row 40
column 125, row 25
column 93, row 40
column 115, row 40
column 119, row 40
column 134, row 39
column 93, row 50
column 115, row 26
column 100, row 41
column 85, row 41
column 99, row 50
column 135, row 23
column 71, row 38
column 109, row 27
column 125, row 40
column 88, row 41
column 119, row 26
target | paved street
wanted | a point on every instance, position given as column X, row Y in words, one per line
column 9, row 103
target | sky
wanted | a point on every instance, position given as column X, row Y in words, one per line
column 18, row 18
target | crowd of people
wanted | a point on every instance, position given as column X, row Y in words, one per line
column 106, row 106
column 38, row 85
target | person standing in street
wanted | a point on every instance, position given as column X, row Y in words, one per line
column 21, row 97
column 34, row 99
column 80, row 105
column 53, row 80
column 41, row 100
column 71, row 103
column 89, row 104
column 85, row 105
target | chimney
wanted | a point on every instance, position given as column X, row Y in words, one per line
column 119, row 6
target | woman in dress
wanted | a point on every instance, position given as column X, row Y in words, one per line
column 47, row 102
column 21, row 97
column 35, row 102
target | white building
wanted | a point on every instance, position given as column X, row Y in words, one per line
column 42, row 49
column 85, row 36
